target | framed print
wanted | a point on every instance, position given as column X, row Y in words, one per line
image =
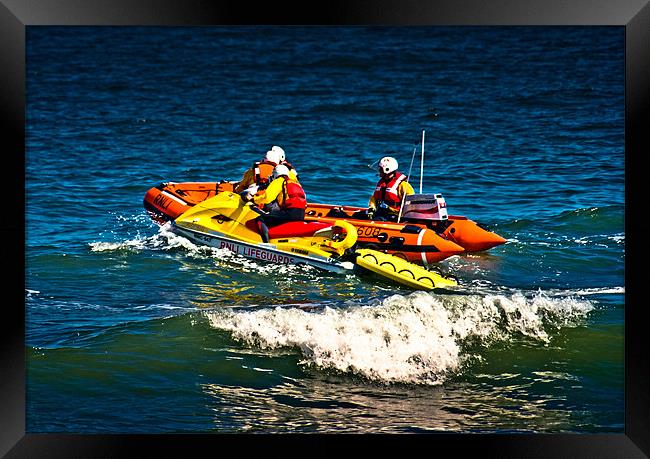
column 405, row 219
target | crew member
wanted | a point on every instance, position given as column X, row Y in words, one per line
column 386, row 201
column 289, row 197
column 262, row 170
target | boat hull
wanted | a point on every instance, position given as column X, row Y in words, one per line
column 167, row 201
column 457, row 229
column 257, row 251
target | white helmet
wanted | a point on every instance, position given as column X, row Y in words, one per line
column 279, row 170
column 387, row 164
column 275, row 155
column 279, row 150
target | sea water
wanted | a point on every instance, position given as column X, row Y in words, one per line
column 131, row 328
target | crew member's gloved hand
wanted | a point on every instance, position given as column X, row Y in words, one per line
column 370, row 212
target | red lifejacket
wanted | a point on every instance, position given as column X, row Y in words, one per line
column 294, row 195
column 263, row 171
column 386, row 191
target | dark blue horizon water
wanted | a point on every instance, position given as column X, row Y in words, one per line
column 130, row 328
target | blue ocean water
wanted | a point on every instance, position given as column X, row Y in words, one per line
column 130, row 328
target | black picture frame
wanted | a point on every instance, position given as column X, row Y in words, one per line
column 16, row 15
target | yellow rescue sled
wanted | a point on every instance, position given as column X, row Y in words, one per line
column 401, row 271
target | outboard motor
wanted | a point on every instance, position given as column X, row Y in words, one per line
column 425, row 207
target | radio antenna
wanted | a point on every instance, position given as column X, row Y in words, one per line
column 411, row 166
column 372, row 166
column 422, row 163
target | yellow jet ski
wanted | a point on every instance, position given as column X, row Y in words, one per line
column 227, row 221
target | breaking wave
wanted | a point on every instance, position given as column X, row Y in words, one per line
column 420, row 338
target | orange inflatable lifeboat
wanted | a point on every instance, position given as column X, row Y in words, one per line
column 441, row 238
column 167, row 201
column 414, row 243
column 460, row 230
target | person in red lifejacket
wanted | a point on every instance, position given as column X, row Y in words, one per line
column 260, row 173
column 288, row 196
column 391, row 188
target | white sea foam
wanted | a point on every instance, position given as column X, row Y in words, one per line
column 599, row 291
column 596, row 238
column 618, row 238
column 417, row 338
column 165, row 240
column 136, row 244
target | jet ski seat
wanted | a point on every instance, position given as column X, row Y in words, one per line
column 290, row 229
column 296, row 229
